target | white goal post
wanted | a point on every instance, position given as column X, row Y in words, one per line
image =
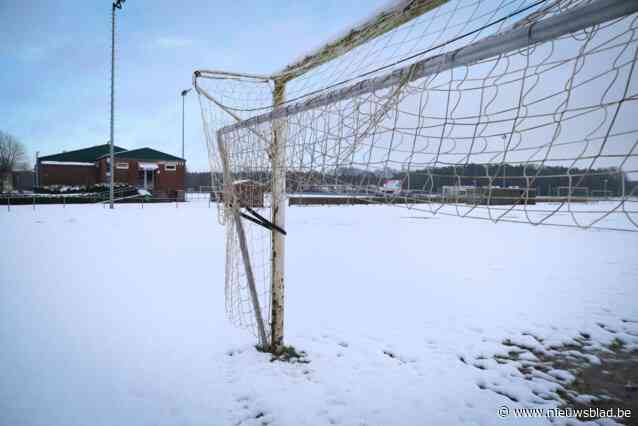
column 510, row 98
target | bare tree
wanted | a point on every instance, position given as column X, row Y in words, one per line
column 12, row 152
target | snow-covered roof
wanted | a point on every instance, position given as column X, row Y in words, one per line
column 67, row 163
column 83, row 155
column 240, row 181
column 147, row 166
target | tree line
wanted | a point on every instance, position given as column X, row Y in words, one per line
column 12, row 158
column 546, row 179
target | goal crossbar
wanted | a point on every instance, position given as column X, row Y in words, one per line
column 386, row 21
column 516, row 38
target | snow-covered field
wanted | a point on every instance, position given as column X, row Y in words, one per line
column 117, row 317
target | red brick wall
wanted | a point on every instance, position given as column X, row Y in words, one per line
column 121, row 175
column 102, row 170
column 126, row 175
column 75, row 175
column 171, row 180
column 57, row 174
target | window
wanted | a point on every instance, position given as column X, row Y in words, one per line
column 123, row 166
column 170, row 167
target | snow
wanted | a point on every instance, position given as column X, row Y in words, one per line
column 147, row 166
column 62, row 195
column 329, row 195
column 401, row 317
column 68, row 163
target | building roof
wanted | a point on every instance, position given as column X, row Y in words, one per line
column 83, row 155
column 147, row 154
column 250, row 181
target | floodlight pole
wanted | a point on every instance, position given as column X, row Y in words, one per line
column 184, row 93
column 116, row 5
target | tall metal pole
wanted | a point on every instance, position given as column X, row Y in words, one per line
column 278, row 218
column 37, row 169
column 111, row 153
column 116, row 5
column 184, row 93
column 183, row 98
column 504, row 163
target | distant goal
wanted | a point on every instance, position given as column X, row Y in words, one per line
column 577, row 191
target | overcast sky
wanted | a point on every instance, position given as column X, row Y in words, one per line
column 55, row 63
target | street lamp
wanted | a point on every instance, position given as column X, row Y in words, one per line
column 504, row 163
column 37, row 167
column 184, row 93
column 116, row 5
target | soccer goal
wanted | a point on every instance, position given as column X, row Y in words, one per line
column 573, row 191
column 502, row 96
column 599, row 194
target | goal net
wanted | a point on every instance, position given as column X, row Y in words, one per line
column 497, row 110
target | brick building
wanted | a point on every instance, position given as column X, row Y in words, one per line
column 144, row 168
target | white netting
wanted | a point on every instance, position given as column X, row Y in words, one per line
column 241, row 90
column 522, row 134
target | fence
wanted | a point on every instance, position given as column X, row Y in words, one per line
column 120, row 197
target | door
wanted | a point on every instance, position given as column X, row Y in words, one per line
column 150, row 179
column 146, row 179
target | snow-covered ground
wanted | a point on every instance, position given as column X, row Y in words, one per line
column 117, row 317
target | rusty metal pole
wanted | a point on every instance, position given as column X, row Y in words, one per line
column 278, row 151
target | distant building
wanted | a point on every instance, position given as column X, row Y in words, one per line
column 144, row 168
column 495, row 196
column 23, row 180
column 454, row 193
column 488, row 195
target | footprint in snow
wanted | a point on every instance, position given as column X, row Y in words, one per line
column 233, row 352
column 249, row 412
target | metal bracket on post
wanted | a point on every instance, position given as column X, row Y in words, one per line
column 258, row 219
